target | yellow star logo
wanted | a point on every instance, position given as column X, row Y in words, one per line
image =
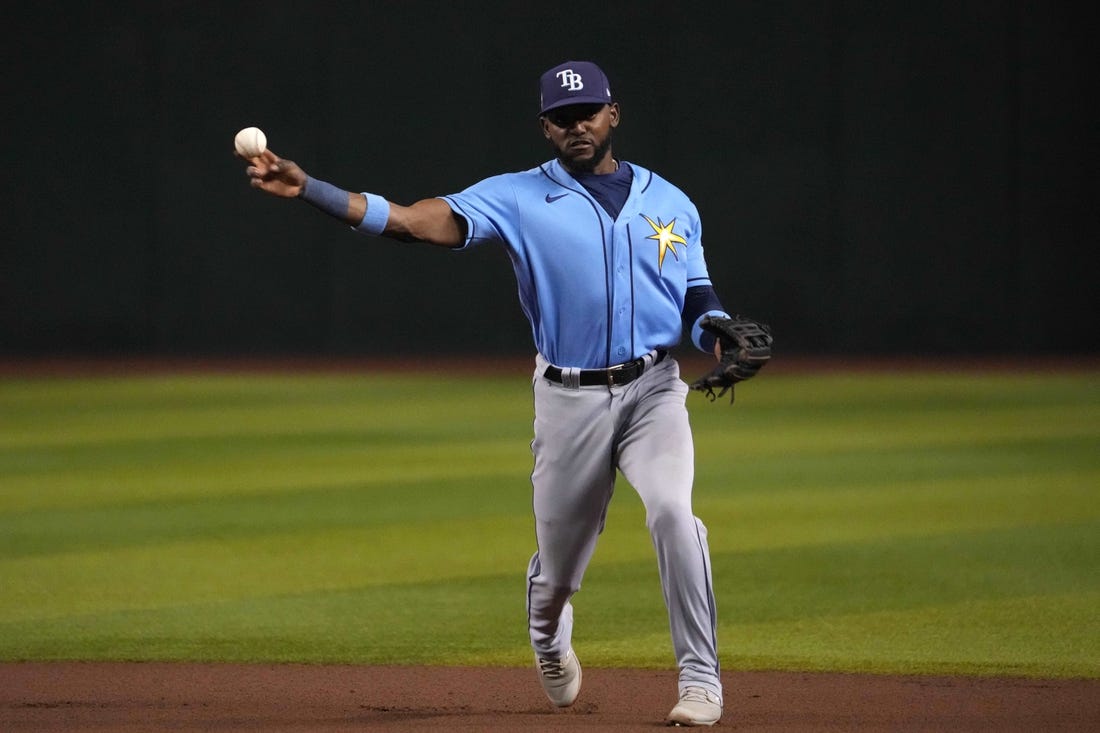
column 666, row 239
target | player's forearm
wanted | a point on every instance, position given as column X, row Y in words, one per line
column 701, row 300
column 430, row 220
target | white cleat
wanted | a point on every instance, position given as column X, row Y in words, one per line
column 560, row 678
column 697, row 706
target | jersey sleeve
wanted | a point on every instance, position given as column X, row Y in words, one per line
column 700, row 300
column 489, row 209
column 697, row 274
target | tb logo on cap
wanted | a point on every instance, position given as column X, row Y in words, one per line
column 571, row 80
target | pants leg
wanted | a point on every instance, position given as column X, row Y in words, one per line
column 572, row 482
column 656, row 455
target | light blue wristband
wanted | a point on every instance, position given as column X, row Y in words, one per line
column 697, row 330
column 378, row 214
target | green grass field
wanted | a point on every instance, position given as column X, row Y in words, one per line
column 878, row 522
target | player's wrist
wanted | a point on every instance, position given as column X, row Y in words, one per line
column 703, row 339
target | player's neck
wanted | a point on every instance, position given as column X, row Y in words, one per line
column 607, row 165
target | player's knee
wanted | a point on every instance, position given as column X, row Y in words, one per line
column 551, row 595
column 670, row 516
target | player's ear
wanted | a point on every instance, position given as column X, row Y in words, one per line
column 613, row 111
column 545, row 125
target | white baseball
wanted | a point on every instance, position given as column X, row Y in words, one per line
column 250, row 142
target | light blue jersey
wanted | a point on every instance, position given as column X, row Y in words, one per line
column 597, row 291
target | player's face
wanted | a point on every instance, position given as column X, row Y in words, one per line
column 580, row 135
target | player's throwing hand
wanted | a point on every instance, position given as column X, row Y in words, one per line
column 275, row 175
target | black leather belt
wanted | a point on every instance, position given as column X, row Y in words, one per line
column 617, row 375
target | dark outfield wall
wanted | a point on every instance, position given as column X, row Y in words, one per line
column 873, row 177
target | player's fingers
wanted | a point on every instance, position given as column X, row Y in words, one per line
column 263, row 171
column 237, row 154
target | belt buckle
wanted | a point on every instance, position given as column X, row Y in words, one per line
column 633, row 366
column 611, row 373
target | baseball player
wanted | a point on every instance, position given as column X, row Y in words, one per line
column 609, row 261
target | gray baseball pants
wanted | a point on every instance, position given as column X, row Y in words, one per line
column 582, row 435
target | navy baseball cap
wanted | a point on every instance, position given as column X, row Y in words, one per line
column 574, row 82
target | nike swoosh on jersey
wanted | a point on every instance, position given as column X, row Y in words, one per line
column 551, row 199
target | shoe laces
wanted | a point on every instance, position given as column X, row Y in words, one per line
column 552, row 668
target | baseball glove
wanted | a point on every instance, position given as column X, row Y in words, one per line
column 746, row 347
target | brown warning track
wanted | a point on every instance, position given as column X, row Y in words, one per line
column 116, row 696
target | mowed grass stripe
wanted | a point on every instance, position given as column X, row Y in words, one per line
column 810, row 516
column 382, row 500
column 899, row 466
column 890, row 392
column 200, row 450
column 476, row 620
column 262, row 472
column 53, row 586
column 1037, row 636
column 67, row 413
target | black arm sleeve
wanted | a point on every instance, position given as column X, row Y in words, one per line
column 698, row 300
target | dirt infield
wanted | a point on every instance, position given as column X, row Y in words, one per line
column 274, row 698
